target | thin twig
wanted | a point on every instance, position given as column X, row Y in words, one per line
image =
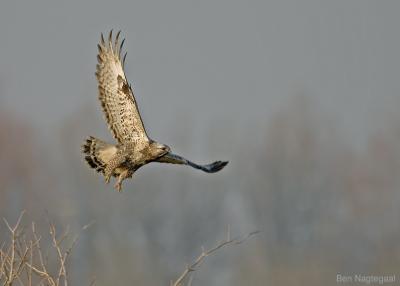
column 11, row 273
column 22, row 259
column 204, row 253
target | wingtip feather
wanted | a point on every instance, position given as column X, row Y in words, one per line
column 110, row 40
column 123, row 61
column 116, row 42
column 120, row 48
column 217, row 166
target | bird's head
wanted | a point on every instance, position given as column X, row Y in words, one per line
column 158, row 149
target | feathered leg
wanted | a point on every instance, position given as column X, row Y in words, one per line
column 112, row 165
column 125, row 174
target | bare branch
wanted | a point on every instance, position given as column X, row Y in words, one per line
column 38, row 249
column 22, row 261
column 204, row 253
column 11, row 273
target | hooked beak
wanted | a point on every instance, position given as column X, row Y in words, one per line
column 163, row 147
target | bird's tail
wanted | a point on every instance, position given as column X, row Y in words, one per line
column 98, row 153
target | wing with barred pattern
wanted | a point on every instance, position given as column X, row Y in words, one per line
column 116, row 95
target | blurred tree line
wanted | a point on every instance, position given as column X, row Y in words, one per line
column 324, row 206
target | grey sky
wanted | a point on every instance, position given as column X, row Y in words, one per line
column 216, row 59
column 209, row 76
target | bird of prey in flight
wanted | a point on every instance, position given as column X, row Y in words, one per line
column 134, row 148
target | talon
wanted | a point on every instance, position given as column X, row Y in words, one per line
column 118, row 186
column 125, row 174
column 107, row 179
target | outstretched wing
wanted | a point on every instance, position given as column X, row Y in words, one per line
column 175, row 159
column 116, row 95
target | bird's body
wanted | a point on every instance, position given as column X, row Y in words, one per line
column 120, row 160
column 134, row 148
